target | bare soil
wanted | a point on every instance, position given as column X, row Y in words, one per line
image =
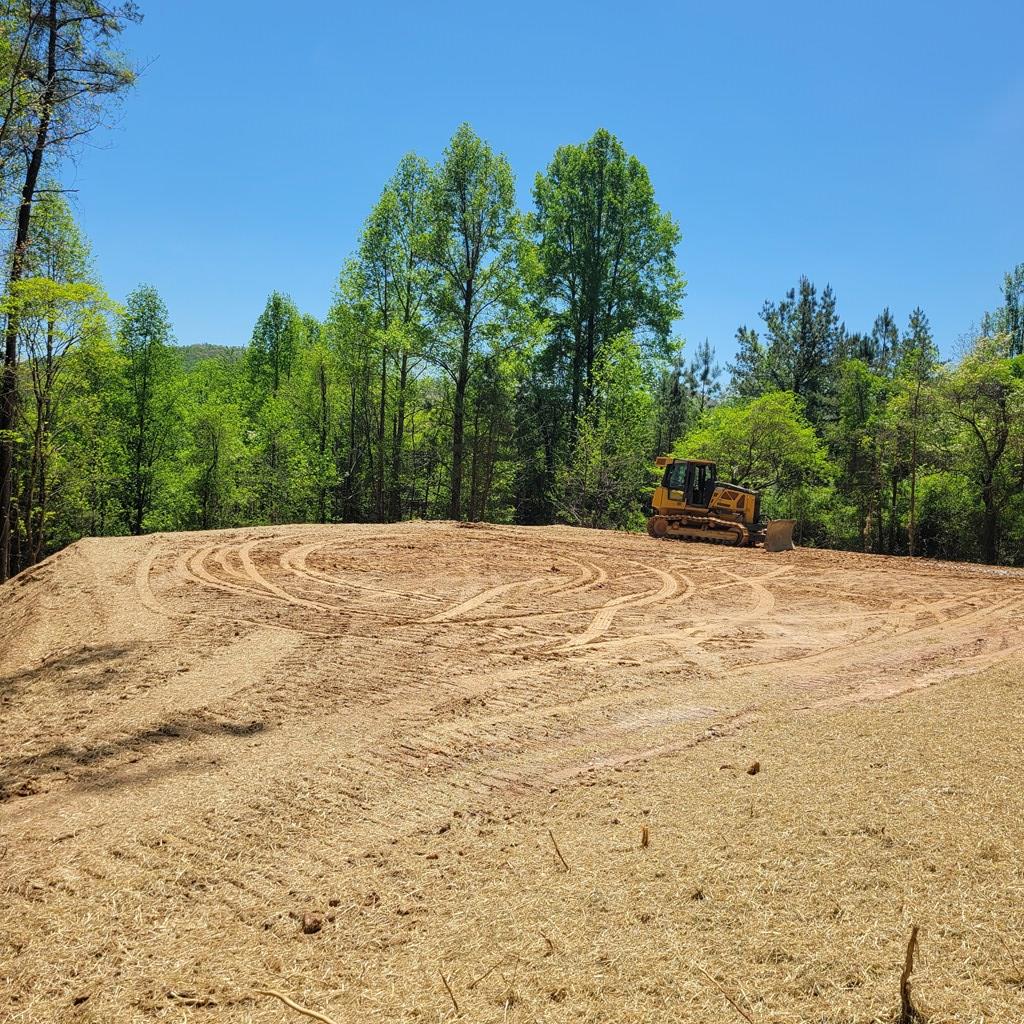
column 407, row 773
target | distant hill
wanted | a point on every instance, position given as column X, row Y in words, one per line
column 192, row 354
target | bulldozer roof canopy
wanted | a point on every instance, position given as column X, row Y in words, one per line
column 669, row 460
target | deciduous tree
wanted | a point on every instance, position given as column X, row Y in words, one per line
column 150, row 419
column 474, row 241
column 63, row 71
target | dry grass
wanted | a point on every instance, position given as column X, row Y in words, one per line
column 863, row 822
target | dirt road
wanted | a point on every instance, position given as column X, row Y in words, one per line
column 204, row 737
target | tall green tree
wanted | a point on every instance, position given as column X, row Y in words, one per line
column 704, row 372
column 88, row 452
column 57, row 308
column 276, row 340
column 607, row 255
column 474, row 241
column 393, row 266
column 915, row 373
column 313, row 396
column 150, row 421
column 885, row 340
column 858, row 445
column 353, row 340
column 749, row 370
column 676, row 405
column 984, row 397
column 1008, row 319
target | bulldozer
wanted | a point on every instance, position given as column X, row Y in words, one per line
column 691, row 503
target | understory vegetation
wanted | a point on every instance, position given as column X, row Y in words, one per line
column 478, row 361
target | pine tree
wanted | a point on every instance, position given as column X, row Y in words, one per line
column 885, row 336
column 1009, row 318
column 705, row 373
column 804, row 338
column 749, row 371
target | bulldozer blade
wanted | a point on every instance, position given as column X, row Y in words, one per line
column 778, row 535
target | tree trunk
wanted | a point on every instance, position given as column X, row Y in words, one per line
column 350, row 477
column 459, row 412
column 474, row 470
column 577, row 388
column 395, row 498
column 28, row 495
column 893, row 517
column 491, row 460
column 912, row 521
column 990, row 521
column 321, row 499
column 381, row 423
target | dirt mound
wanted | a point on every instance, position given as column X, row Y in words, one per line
column 208, row 741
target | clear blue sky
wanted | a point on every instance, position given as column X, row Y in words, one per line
column 875, row 146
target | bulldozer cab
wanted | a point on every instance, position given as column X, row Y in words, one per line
column 690, row 481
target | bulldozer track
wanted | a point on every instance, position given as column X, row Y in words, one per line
column 286, row 573
column 602, row 621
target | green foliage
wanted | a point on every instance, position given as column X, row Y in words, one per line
column 606, row 254
column 149, row 415
column 212, row 478
column 89, row 446
column 605, row 483
column 276, row 339
column 950, row 516
column 860, row 439
column 983, row 401
column 765, row 443
column 749, row 371
column 190, row 355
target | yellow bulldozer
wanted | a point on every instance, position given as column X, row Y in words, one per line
column 691, row 503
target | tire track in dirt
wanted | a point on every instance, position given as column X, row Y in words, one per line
column 183, row 572
column 592, row 576
column 143, row 585
column 245, row 555
column 605, row 616
column 879, row 643
column 692, row 636
column 296, row 560
column 482, row 598
column 192, row 565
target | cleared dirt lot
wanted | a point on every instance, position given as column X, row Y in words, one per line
column 206, row 737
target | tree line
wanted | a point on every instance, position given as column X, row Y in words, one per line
column 477, row 361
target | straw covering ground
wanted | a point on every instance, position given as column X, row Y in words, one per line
column 428, row 772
